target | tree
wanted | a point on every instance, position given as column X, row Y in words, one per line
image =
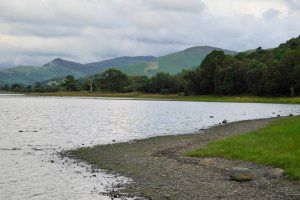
column 161, row 83
column 207, row 72
column 70, row 83
column 29, row 88
column 38, row 87
column 113, row 80
column 289, row 69
column 255, row 79
column 88, row 85
column 16, row 87
column 5, row 88
column 140, row 83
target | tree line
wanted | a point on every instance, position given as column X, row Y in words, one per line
column 270, row 72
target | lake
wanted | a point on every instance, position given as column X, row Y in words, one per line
column 33, row 129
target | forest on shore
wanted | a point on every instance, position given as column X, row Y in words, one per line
column 259, row 72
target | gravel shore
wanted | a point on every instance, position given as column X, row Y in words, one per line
column 159, row 169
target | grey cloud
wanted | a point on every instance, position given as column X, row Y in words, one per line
column 46, row 30
column 62, row 12
column 177, row 5
column 293, row 4
column 271, row 13
column 37, row 31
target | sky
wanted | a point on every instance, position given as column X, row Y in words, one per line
column 33, row 32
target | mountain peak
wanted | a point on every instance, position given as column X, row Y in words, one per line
column 208, row 48
column 57, row 60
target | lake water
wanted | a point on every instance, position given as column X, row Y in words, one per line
column 33, row 129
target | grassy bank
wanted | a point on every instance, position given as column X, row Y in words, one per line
column 241, row 99
column 277, row 145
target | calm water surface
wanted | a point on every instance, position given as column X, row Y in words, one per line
column 32, row 129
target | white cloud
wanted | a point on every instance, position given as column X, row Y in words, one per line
column 36, row 31
column 244, row 7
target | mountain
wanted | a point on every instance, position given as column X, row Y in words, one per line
column 140, row 65
column 92, row 68
column 61, row 68
column 31, row 74
column 68, row 65
column 5, row 65
column 172, row 63
column 117, row 62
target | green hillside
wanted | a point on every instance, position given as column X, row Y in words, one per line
column 189, row 58
column 30, row 74
column 61, row 68
column 172, row 63
column 137, row 69
column 141, row 65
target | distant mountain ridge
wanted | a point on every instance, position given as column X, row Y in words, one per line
column 91, row 68
column 140, row 65
column 172, row 63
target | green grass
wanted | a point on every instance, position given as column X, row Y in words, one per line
column 277, row 145
column 240, row 99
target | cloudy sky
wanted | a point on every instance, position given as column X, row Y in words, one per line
column 37, row 31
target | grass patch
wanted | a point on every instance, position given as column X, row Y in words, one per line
column 175, row 97
column 277, row 145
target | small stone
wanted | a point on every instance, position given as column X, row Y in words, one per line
column 52, row 161
column 224, row 121
column 131, row 142
column 207, row 162
column 167, row 196
column 240, row 174
column 275, row 173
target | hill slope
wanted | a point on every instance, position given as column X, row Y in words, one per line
column 172, row 63
column 61, row 68
column 140, row 65
column 117, row 62
column 30, row 74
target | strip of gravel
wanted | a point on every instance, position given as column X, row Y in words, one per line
column 160, row 170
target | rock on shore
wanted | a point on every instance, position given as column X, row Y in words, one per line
column 241, row 174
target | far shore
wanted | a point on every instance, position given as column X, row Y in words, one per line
column 160, row 170
column 177, row 97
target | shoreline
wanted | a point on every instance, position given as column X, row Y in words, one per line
column 159, row 169
column 176, row 97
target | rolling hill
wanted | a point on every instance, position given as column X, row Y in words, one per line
column 30, row 74
column 172, row 63
column 61, row 68
column 141, row 65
